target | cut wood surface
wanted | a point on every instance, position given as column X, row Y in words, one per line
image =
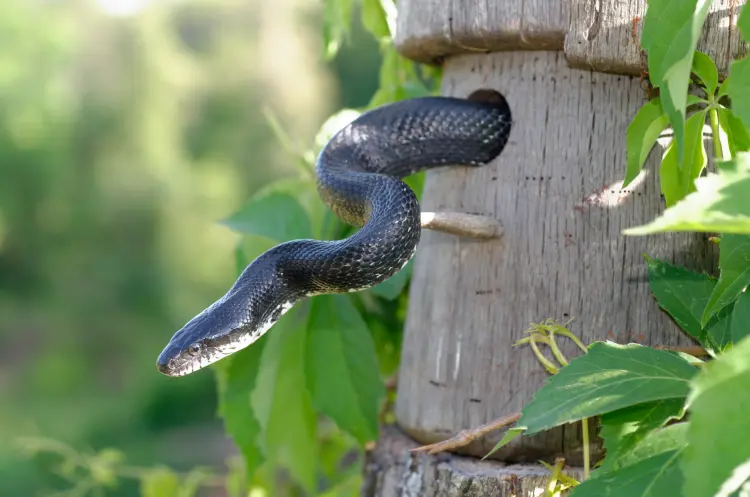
column 556, row 191
column 600, row 34
column 392, row 470
column 605, row 35
column 428, row 30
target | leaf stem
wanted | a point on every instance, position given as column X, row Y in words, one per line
column 715, row 135
column 586, row 451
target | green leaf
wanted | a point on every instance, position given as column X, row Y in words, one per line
column 374, row 18
column 677, row 181
column 738, row 137
column 705, row 69
column 649, row 122
column 237, row 376
column 652, row 471
column 304, row 190
column 720, row 204
column 391, row 288
column 738, row 87
column 670, row 34
column 337, row 16
column 625, row 428
column 608, row 378
column 719, row 434
column 743, row 22
column 342, row 369
column 160, row 482
column 276, row 216
column 281, row 402
column 734, row 262
column 741, row 318
column 683, row 294
column 508, row 437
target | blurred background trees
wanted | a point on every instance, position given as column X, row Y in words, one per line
column 125, row 135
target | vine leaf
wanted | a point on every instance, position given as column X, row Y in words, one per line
column 743, row 22
column 629, row 374
column 342, row 369
column 625, row 428
column 741, row 318
column 282, row 403
column 684, row 294
column 738, row 87
column 508, row 437
column 277, row 216
column 236, row 377
column 670, row 46
column 719, row 204
column 719, row 433
column 649, row 122
column 705, row 69
column 374, row 19
column 651, row 469
column 677, row 181
column 738, row 137
column 734, row 262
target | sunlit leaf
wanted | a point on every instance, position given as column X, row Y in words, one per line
column 281, row 402
column 705, row 69
column 237, row 376
column 652, row 470
column 720, row 204
column 608, row 378
column 734, row 262
column 374, row 18
column 737, row 134
column 683, row 294
column 719, row 434
column 741, row 318
column 678, row 180
column 342, row 370
column 649, row 122
column 160, row 482
column 625, row 428
column 276, row 216
column 670, row 46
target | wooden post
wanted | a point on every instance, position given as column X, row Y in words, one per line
column 570, row 73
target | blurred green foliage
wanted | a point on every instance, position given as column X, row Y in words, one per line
column 124, row 140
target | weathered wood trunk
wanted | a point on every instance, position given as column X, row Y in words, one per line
column 570, row 73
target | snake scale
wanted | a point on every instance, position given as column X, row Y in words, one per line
column 359, row 175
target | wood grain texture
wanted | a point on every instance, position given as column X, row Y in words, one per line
column 429, row 30
column 392, row 471
column 605, row 35
column 555, row 191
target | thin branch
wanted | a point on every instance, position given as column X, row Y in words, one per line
column 460, row 224
column 465, row 437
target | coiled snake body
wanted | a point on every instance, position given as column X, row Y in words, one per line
column 359, row 173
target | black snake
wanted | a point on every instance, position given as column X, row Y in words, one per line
column 358, row 173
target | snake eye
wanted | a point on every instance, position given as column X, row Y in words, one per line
column 194, row 349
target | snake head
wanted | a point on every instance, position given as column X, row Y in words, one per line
column 219, row 331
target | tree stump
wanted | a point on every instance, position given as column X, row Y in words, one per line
column 569, row 71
